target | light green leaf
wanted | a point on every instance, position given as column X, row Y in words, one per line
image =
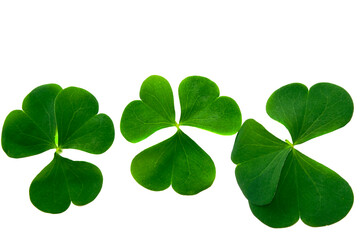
column 64, row 181
column 308, row 190
column 178, row 161
column 260, row 157
column 155, row 111
column 309, row 114
column 202, row 107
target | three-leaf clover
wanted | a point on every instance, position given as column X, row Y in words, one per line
column 177, row 161
column 282, row 184
column 56, row 118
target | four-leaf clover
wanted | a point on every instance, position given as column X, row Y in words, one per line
column 282, row 184
column 56, row 118
column 177, row 161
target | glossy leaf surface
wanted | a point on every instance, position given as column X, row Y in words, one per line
column 64, row 181
column 79, row 125
column 155, row 111
column 308, row 190
column 309, row 114
column 202, row 107
column 177, row 161
column 282, row 184
column 39, row 106
column 260, row 157
column 32, row 130
column 53, row 118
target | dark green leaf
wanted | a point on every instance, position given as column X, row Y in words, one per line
column 202, row 107
column 155, row 111
column 139, row 121
column 31, row 131
column 79, row 126
column 73, row 108
column 260, row 157
column 178, row 161
column 157, row 94
column 21, row 137
column 39, row 106
column 309, row 114
column 95, row 136
column 282, row 211
column 56, row 118
column 64, row 181
column 281, row 183
column 308, row 190
column 305, row 189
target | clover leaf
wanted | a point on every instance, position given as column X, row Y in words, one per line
column 310, row 113
column 56, row 118
column 282, row 184
column 177, row 161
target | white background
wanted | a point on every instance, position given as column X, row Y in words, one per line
column 249, row 48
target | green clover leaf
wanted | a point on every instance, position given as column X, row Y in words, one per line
column 282, row 184
column 310, row 113
column 177, row 161
column 202, row 107
column 64, row 181
column 56, row 118
column 155, row 111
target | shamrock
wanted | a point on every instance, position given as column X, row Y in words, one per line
column 282, row 184
column 56, row 118
column 177, row 161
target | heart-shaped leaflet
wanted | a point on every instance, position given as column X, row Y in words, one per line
column 281, row 183
column 310, row 113
column 56, row 118
column 177, row 161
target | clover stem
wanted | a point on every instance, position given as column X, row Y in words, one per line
column 288, row 142
column 58, row 148
column 56, row 138
column 177, row 125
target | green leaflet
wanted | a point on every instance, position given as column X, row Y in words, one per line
column 282, row 184
column 53, row 118
column 177, row 161
column 79, row 125
column 308, row 190
column 155, row 111
column 32, row 130
column 64, row 181
column 260, row 157
column 18, row 144
column 202, row 107
column 157, row 94
column 39, row 103
column 309, row 114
